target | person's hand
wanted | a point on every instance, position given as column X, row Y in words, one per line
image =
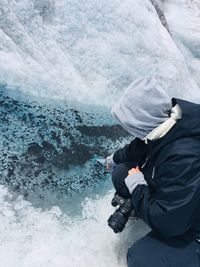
column 134, row 178
column 109, row 163
column 133, row 170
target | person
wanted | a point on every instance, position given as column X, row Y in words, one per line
column 160, row 172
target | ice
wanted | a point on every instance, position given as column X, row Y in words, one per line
column 35, row 237
column 83, row 54
column 184, row 21
column 86, row 51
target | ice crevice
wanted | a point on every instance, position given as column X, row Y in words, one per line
column 159, row 8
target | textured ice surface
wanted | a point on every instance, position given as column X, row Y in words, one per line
column 48, row 148
column 39, row 238
column 86, row 51
column 184, row 21
column 47, row 162
column 62, row 66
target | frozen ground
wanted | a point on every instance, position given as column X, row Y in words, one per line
column 63, row 64
column 34, row 237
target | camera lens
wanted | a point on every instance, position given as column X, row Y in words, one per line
column 119, row 218
column 117, row 221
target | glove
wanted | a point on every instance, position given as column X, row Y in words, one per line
column 134, row 178
column 109, row 162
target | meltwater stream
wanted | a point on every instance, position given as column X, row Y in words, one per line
column 63, row 64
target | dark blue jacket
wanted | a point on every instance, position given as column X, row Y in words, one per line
column 170, row 205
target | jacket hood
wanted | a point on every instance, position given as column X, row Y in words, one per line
column 143, row 106
column 187, row 126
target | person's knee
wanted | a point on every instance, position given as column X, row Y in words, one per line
column 118, row 171
column 135, row 256
column 142, row 253
column 119, row 174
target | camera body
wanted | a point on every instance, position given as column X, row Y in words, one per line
column 119, row 218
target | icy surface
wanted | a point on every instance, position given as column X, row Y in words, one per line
column 48, row 148
column 62, row 66
column 34, row 237
column 184, row 21
column 86, row 51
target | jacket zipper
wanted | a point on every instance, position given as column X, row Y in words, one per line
column 153, row 172
column 145, row 162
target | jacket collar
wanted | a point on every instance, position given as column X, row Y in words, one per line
column 166, row 126
column 187, row 126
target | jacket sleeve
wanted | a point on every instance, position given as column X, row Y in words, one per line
column 132, row 152
column 171, row 208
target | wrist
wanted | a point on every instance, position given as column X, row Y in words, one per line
column 132, row 181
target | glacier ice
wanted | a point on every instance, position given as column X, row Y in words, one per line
column 183, row 22
column 37, row 237
column 86, row 51
column 46, row 147
column 63, row 64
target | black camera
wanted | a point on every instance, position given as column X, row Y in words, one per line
column 119, row 218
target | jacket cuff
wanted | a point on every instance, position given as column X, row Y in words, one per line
column 133, row 180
